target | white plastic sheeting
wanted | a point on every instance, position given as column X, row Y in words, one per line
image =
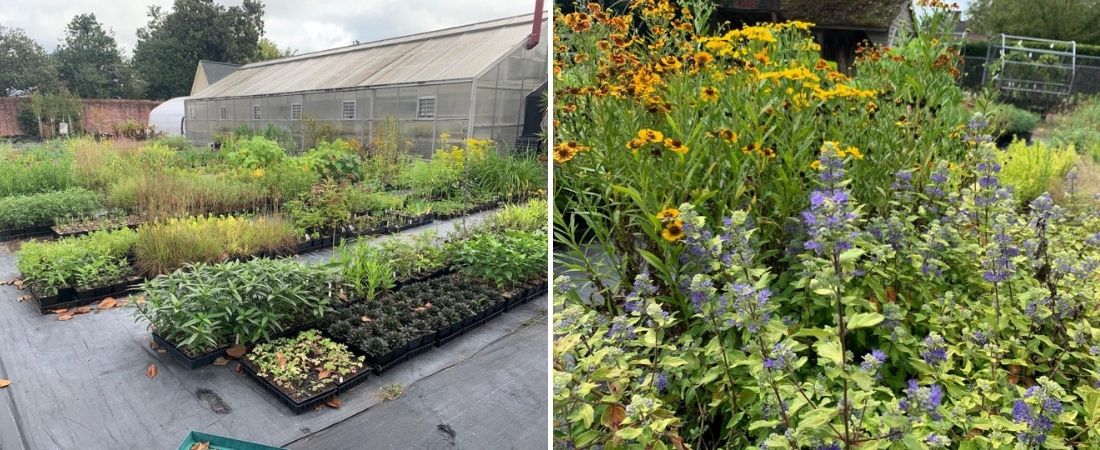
column 168, row 117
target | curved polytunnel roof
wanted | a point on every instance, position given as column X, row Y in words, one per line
column 451, row 54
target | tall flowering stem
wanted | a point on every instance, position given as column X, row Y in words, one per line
column 830, row 223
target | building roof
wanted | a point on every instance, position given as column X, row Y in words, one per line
column 216, row 70
column 457, row 53
column 861, row 14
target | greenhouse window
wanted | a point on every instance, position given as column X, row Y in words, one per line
column 224, row 112
column 348, row 110
column 257, row 113
column 194, row 114
column 425, row 108
column 295, row 111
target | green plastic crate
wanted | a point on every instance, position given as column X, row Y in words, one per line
column 221, row 443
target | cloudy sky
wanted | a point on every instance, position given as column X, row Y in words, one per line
column 303, row 25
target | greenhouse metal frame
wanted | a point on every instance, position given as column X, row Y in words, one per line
column 470, row 81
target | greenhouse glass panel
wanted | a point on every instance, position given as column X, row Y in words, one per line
column 385, row 103
column 453, row 101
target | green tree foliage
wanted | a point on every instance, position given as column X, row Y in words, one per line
column 25, row 65
column 270, row 50
column 1068, row 20
column 89, row 61
column 170, row 46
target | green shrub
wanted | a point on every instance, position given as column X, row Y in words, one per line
column 45, row 208
column 1014, row 121
column 362, row 201
column 213, row 305
column 1030, row 169
column 165, row 246
column 176, row 193
column 502, row 176
column 1079, row 125
column 176, row 143
column 336, row 161
column 430, row 179
column 530, row 216
column 408, row 257
column 288, row 179
column 92, row 260
column 23, row 176
column 365, row 269
column 255, row 152
column 322, row 210
column 506, row 259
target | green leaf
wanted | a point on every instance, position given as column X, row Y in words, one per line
column 864, row 320
column 763, row 424
column 629, row 433
column 673, row 362
column 816, row 418
column 585, row 414
column 829, row 350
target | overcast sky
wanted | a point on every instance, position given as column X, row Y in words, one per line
column 303, row 25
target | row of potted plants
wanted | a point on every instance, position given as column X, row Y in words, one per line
column 375, row 336
column 63, row 273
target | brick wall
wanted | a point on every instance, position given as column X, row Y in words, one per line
column 100, row 115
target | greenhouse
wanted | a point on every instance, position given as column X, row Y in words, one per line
column 473, row 81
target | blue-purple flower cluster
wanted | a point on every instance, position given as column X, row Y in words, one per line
column 935, row 349
column 830, row 220
column 922, row 399
column 1038, row 409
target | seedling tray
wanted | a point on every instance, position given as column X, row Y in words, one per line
column 12, row 234
column 64, row 298
column 296, row 407
column 187, row 361
column 220, row 442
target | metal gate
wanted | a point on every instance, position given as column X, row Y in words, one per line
column 1031, row 68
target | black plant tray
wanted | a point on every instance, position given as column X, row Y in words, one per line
column 12, row 234
column 182, row 358
column 64, row 298
column 70, row 298
column 528, row 294
column 296, row 407
column 399, row 355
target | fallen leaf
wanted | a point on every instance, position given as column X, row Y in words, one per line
column 82, row 310
column 200, row 446
column 140, row 300
column 153, row 345
column 342, row 295
column 334, row 403
column 18, row 284
column 108, row 303
column 281, row 358
column 25, row 298
column 324, row 374
column 221, row 361
column 366, row 319
column 151, row 372
column 5, row 383
column 236, row 351
column 65, row 317
column 239, row 368
column 59, row 311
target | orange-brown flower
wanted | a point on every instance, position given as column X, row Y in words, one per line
column 676, row 145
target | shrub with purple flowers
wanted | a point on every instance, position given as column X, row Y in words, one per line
column 834, row 283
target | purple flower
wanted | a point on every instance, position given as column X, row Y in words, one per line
column 935, row 350
column 922, row 399
column 1037, row 409
column 661, row 381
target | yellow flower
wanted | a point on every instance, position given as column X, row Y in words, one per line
column 708, row 94
column 259, row 172
column 668, row 213
column 648, row 135
column 854, row 152
column 564, row 152
column 676, row 146
column 673, row 230
column 816, row 165
column 728, row 135
column 635, row 144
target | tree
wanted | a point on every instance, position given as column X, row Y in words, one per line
column 53, row 108
column 270, row 50
column 89, row 62
column 170, row 46
column 24, row 65
column 1067, row 20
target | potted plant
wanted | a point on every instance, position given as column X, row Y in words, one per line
column 305, row 370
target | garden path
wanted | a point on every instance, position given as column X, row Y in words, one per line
column 83, row 384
